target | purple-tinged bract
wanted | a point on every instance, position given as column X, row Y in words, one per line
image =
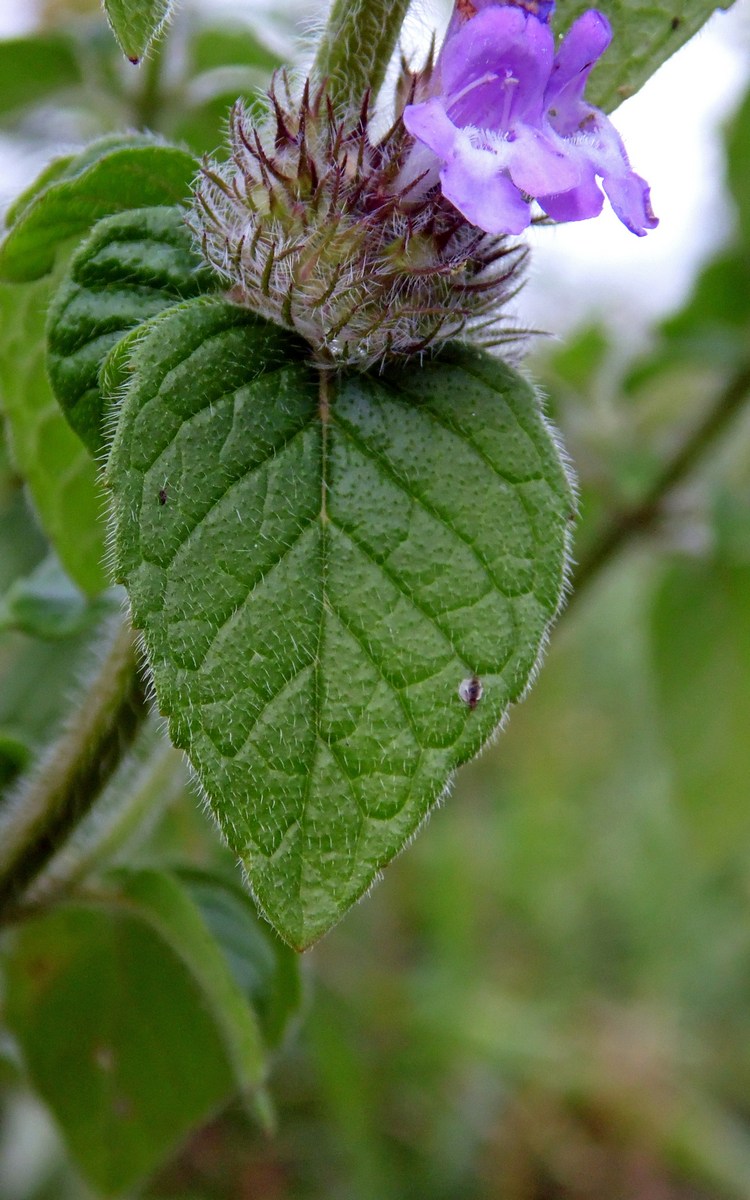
column 506, row 122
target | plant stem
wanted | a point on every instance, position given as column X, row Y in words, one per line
column 57, row 797
column 138, row 794
column 625, row 525
column 356, row 48
column 147, row 102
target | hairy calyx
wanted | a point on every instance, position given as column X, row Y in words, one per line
column 327, row 232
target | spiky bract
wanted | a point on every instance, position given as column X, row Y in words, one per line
column 312, row 226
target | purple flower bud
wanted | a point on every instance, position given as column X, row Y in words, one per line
column 506, row 122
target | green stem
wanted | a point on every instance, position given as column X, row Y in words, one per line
column 62, row 791
column 631, row 522
column 356, row 48
column 147, row 102
column 128, row 807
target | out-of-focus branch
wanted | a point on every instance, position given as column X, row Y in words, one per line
column 629, row 523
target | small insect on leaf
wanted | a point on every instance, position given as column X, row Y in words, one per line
column 471, row 691
column 162, row 495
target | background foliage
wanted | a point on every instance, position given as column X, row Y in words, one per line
column 548, row 998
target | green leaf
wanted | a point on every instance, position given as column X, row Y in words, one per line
column 644, row 36
column 264, row 968
column 32, row 69
column 236, row 46
column 60, row 475
column 160, row 900
column 135, row 23
column 107, row 178
column 47, row 604
column 131, row 1026
column 325, row 575
column 134, row 265
column 68, row 166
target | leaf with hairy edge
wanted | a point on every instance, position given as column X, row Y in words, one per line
column 60, row 475
column 131, row 1025
column 103, row 180
column 343, row 583
column 135, row 23
column 133, row 266
column 645, row 36
column 67, row 166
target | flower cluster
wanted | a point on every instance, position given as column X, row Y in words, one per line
column 506, row 121
column 309, row 226
column 373, row 249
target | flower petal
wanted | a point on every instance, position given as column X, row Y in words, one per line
column 495, row 69
column 585, row 42
column 630, row 197
column 581, row 202
column 430, row 123
column 466, row 10
column 539, row 165
column 628, row 194
column 474, row 182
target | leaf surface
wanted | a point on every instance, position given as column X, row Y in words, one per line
column 108, row 177
column 131, row 1026
column 60, row 475
column 320, row 568
column 132, row 266
column 264, row 968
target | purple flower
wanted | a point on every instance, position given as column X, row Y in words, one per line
column 508, row 122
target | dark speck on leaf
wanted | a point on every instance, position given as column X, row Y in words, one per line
column 162, row 495
column 675, row 23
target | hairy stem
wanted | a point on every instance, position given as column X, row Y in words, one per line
column 46, row 810
column 142, row 788
column 356, row 47
column 630, row 522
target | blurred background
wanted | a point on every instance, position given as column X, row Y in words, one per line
column 548, row 997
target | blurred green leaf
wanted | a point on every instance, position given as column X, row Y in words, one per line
column 202, row 118
column 700, row 629
column 264, row 968
column 645, row 36
column 36, row 681
column 47, row 604
column 215, row 48
column 34, row 68
column 132, row 1029
column 60, row 475
column 131, row 267
column 159, row 899
column 110, row 176
column 135, row 23
column 316, row 590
